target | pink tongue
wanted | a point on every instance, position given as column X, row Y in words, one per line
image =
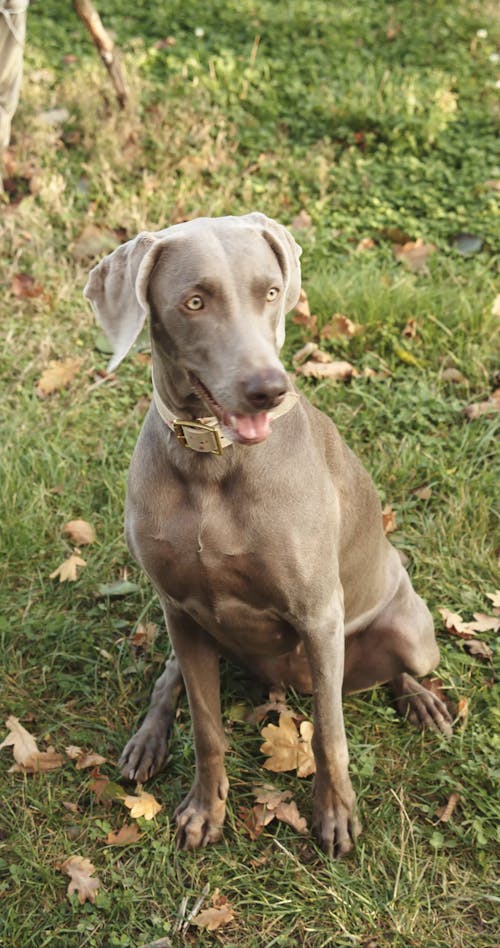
column 251, row 427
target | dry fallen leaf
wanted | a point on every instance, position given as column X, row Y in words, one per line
column 144, row 634
column 80, row 871
column 410, row 330
column 494, row 599
column 451, row 374
column 455, row 624
column 366, row 243
column 144, row 804
column 286, row 748
column 68, row 571
column 41, row 763
column 389, row 519
column 307, row 764
column 339, row 326
column 488, row 407
column 220, row 914
column 281, row 745
column 495, row 309
column 301, row 314
column 289, row 813
column 84, row 759
column 26, row 754
column 129, row 833
column 80, row 532
column 466, row 630
column 25, row 286
column 276, row 702
column 22, row 742
column 413, row 254
column 304, row 353
column 483, row 623
column 335, row 371
column 445, row 812
column 463, row 708
column 57, row 376
column 479, row 649
column 423, row 493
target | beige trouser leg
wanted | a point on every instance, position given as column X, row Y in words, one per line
column 12, row 33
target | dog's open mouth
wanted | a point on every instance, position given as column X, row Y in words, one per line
column 245, row 429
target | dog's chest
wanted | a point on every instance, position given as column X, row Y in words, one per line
column 218, row 564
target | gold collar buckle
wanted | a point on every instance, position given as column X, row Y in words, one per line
column 198, row 436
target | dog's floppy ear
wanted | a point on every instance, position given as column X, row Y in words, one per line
column 117, row 290
column 288, row 253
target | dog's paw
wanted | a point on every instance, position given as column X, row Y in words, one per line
column 422, row 707
column 145, row 753
column 200, row 816
column 336, row 825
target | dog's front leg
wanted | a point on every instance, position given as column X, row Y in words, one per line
column 334, row 818
column 201, row 815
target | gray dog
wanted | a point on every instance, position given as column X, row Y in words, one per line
column 260, row 530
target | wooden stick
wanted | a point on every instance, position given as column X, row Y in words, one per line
column 105, row 46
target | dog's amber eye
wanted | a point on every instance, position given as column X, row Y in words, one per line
column 194, row 303
column 272, row 294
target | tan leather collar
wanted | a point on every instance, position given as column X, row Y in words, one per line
column 204, row 434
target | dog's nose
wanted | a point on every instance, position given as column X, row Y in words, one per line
column 265, row 389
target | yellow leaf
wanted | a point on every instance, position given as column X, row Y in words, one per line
column 80, row 871
column 80, row 532
column 68, row 571
column 281, row 745
column 307, row 764
column 144, row 804
column 57, row 376
column 286, row 748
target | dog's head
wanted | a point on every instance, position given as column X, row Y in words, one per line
column 217, row 291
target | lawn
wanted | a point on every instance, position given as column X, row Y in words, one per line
column 362, row 126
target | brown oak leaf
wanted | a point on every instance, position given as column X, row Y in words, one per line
column 81, row 873
column 338, row 326
column 24, row 286
column 57, row 376
column 220, row 914
column 128, row 833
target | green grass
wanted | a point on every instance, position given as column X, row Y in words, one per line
column 278, row 108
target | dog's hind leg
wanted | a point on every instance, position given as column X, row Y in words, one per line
column 146, row 751
column 398, row 645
